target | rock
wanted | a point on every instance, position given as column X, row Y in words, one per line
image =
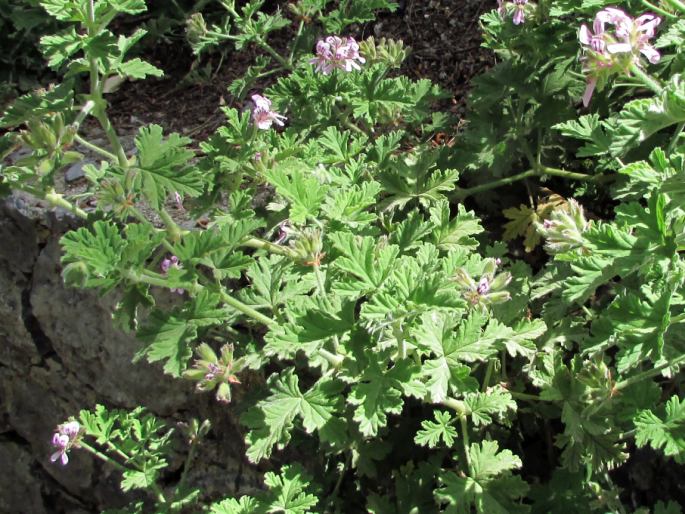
column 75, row 172
column 60, row 353
column 20, row 487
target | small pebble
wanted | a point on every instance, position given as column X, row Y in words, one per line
column 75, row 172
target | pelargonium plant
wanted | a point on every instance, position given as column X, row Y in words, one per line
column 416, row 361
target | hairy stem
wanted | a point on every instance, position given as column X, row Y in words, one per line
column 465, row 442
column 58, row 200
column 174, row 231
column 261, row 244
column 247, row 310
column 658, row 10
column 676, row 136
column 96, row 91
column 647, row 80
column 103, row 457
column 94, row 148
column 273, row 53
column 650, row 373
column 488, row 374
column 460, row 194
column 677, row 4
column 334, row 359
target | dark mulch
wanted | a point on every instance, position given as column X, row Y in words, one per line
column 444, row 36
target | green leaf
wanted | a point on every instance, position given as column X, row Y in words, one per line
column 590, row 129
column 497, row 401
column 348, row 205
column 433, row 431
column 304, row 193
column 456, row 233
column 272, row 419
column 58, row 48
column 167, row 337
column 490, row 487
column 274, row 282
column 665, row 431
column 289, row 492
column 376, row 395
column 36, row 105
column 369, row 264
column 642, row 118
column 138, row 69
column 416, row 177
column 97, row 251
column 449, row 349
column 164, row 166
column 64, row 10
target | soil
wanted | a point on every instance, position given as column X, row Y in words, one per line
column 443, row 34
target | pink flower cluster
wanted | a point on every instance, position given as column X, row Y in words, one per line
column 519, row 10
column 615, row 51
column 166, row 265
column 63, row 440
column 337, row 53
column 262, row 115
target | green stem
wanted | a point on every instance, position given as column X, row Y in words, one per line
column 460, row 194
column 401, row 343
column 527, row 397
column 457, row 405
column 261, row 244
column 58, row 200
column 94, row 148
column 116, row 450
column 297, row 39
column 346, row 122
column 247, row 310
column 96, row 88
column 556, row 172
column 488, row 374
column 174, row 231
column 677, row 4
column 273, row 53
column 649, row 82
column 658, row 10
column 650, row 373
column 674, row 139
column 333, row 359
column 187, row 463
column 320, row 285
column 102, row 456
column 112, row 136
column 678, row 319
column 83, row 113
column 465, row 442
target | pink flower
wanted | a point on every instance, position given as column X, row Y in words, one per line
column 262, row 115
column 178, row 200
column 614, row 52
column 166, row 265
column 634, row 36
column 483, row 286
column 597, row 40
column 63, row 440
column 171, row 262
column 519, row 10
column 71, row 429
column 335, row 52
column 519, row 13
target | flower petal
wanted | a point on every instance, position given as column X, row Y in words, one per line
column 589, row 90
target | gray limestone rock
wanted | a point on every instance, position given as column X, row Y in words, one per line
column 60, row 353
